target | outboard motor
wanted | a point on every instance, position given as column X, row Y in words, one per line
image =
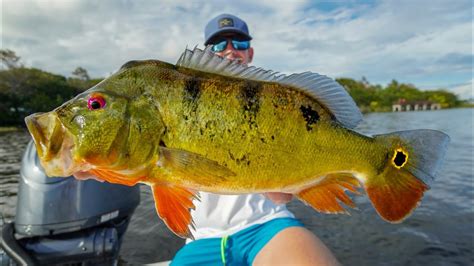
column 64, row 220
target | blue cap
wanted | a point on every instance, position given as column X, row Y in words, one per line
column 223, row 24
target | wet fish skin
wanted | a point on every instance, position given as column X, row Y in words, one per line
column 181, row 130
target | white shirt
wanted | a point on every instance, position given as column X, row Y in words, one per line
column 221, row 215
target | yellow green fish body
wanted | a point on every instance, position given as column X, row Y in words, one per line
column 183, row 129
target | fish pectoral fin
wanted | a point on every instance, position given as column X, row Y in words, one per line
column 328, row 194
column 192, row 166
column 173, row 204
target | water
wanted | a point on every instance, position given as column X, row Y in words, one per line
column 440, row 232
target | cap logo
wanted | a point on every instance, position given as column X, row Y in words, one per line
column 226, row 22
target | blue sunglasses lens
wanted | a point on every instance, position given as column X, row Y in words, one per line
column 219, row 47
column 240, row 45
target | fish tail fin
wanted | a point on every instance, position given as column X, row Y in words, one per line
column 413, row 159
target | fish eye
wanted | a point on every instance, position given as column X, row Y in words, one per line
column 96, row 102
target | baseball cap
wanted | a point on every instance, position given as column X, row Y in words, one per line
column 225, row 23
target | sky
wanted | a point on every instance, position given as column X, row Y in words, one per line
column 427, row 43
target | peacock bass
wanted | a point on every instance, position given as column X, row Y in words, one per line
column 210, row 124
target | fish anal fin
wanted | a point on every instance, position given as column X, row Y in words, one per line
column 395, row 194
column 192, row 166
column 173, row 204
column 327, row 195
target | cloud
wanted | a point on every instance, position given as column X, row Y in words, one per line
column 464, row 91
column 419, row 42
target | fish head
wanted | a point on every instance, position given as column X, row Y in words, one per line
column 102, row 128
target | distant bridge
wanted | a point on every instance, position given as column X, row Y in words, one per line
column 403, row 105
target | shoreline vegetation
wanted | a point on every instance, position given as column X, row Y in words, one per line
column 9, row 129
column 28, row 90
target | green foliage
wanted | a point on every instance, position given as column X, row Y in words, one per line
column 28, row 90
column 375, row 98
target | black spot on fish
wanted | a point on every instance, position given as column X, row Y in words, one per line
column 162, row 143
column 400, row 158
column 244, row 159
column 263, row 140
column 273, row 137
column 310, row 116
column 250, row 100
column 231, row 156
column 212, row 136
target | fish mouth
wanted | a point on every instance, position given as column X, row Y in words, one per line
column 54, row 143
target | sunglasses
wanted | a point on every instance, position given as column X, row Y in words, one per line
column 238, row 45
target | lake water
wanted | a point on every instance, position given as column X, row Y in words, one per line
column 440, row 231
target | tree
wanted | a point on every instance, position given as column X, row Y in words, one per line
column 9, row 58
column 81, row 73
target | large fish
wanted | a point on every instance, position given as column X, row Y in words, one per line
column 210, row 124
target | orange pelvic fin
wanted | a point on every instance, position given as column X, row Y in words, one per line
column 395, row 193
column 114, row 177
column 327, row 195
column 173, row 204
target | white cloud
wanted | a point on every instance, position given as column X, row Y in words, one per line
column 464, row 91
column 419, row 42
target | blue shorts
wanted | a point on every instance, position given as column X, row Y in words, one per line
column 237, row 249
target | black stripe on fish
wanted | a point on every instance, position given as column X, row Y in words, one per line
column 192, row 89
column 191, row 93
column 250, row 100
column 310, row 116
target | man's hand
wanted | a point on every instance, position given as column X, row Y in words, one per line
column 86, row 176
column 279, row 197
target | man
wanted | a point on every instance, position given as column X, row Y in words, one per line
column 246, row 229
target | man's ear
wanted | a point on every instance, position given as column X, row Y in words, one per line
column 250, row 52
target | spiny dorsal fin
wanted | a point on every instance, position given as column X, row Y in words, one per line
column 324, row 89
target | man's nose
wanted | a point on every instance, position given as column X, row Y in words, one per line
column 230, row 54
column 229, row 49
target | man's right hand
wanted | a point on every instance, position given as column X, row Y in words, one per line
column 279, row 197
column 86, row 176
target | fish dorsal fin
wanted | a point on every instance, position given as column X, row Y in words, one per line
column 324, row 89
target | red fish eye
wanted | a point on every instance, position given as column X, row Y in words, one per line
column 95, row 102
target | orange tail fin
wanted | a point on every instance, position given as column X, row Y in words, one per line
column 413, row 159
column 395, row 194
